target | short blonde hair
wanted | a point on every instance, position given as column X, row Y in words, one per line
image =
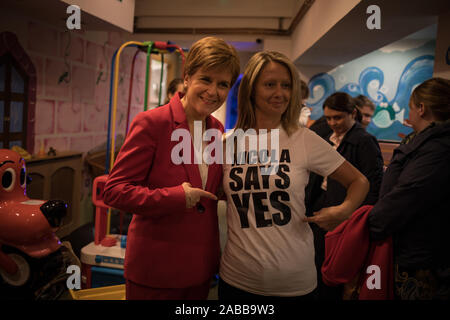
column 209, row 53
column 246, row 108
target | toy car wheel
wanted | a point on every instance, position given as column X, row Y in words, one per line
column 46, row 278
column 21, row 276
column 39, row 271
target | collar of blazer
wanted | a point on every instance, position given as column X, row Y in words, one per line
column 350, row 136
column 180, row 121
column 439, row 131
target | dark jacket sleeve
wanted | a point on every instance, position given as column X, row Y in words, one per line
column 312, row 192
column 370, row 163
column 421, row 182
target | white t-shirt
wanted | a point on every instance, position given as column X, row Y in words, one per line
column 270, row 251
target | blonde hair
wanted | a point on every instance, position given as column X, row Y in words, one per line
column 246, row 108
column 209, row 53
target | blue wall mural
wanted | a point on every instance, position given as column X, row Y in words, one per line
column 387, row 77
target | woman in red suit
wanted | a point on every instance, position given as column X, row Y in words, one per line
column 173, row 240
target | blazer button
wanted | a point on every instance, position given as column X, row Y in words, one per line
column 200, row 208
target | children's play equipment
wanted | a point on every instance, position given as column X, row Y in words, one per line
column 102, row 260
column 31, row 262
column 148, row 47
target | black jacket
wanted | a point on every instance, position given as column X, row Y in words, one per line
column 359, row 148
column 414, row 204
column 321, row 127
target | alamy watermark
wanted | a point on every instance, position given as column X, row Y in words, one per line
column 74, row 280
column 374, row 20
column 373, row 281
column 241, row 147
column 74, row 20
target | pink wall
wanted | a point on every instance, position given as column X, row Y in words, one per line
column 74, row 115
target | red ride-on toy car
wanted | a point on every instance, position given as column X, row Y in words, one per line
column 33, row 263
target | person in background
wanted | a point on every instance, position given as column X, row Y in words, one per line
column 321, row 127
column 269, row 253
column 173, row 247
column 176, row 85
column 414, row 200
column 361, row 150
column 305, row 112
column 366, row 108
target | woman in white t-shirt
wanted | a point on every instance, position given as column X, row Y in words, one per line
column 269, row 250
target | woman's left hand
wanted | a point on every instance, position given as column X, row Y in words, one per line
column 328, row 218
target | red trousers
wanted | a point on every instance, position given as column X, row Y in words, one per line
column 136, row 291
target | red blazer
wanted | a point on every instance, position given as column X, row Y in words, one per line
column 168, row 246
column 349, row 252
